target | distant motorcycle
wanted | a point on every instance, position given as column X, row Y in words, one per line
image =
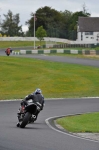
column 8, row 51
column 29, row 113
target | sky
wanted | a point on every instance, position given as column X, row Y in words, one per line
column 26, row 7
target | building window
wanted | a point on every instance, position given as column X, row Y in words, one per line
column 88, row 33
column 81, row 36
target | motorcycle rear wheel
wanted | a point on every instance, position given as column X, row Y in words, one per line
column 25, row 120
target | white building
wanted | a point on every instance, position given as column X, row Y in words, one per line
column 88, row 29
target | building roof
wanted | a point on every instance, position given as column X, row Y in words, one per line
column 88, row 24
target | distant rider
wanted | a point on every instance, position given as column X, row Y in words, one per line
column 7, row 51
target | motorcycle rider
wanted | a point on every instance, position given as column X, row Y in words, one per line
column 36, row 97
column 7, row 51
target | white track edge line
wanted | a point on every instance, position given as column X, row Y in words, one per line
column 47, row 122
column 49, row 99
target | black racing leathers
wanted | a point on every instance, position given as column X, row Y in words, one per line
column 36, row 98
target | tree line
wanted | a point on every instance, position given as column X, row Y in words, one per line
column 56, row 23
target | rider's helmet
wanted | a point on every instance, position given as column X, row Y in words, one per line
column 38, row 91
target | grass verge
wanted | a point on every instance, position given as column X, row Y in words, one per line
column 85, row 123
column 12, row 44
column 76, row 55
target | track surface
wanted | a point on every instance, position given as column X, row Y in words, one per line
column 39, row 136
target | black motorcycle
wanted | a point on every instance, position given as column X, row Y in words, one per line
column 28, row 113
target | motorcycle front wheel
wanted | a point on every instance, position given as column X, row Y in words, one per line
column 25, row 120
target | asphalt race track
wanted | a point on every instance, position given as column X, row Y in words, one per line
column 39, row 136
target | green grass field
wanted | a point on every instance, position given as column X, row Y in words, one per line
column 12, row 44
column 85, row 123
column 20, row 76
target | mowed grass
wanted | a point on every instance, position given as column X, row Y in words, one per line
column 20, row 76
column 81, row 123
column 13, row 44
column 5, row 44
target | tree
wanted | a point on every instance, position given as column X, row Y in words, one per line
column 56, row 23
column 66, row 16
column 10, row 25
column 47, row 17
column 41, row 33
column 73, row 24
column 85, row 10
